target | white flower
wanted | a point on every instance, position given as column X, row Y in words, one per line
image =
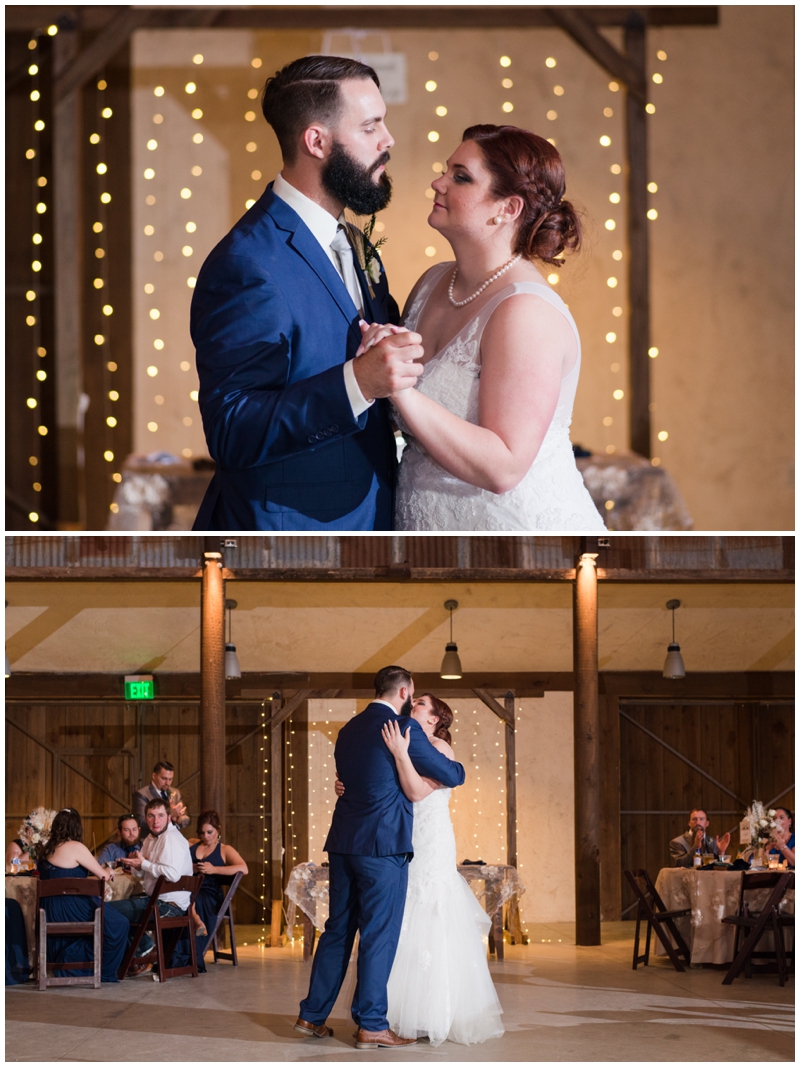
column 374, row 271
column 762, row 822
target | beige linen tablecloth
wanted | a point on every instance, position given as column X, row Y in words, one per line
column 23, row 890
column 711, row 895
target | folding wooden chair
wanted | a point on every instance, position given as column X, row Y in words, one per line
column 757, row 923
column 164, row 948
column 73, row 887
column 652, row 909
column 226, row 915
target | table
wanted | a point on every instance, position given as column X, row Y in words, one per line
column 710, row 895
column 22, row 888
column 493, row 884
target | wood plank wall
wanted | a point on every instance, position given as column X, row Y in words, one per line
column 168, row 731
column 748, row 748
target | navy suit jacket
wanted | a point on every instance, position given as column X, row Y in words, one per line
column 374, row 817
column 273, row 324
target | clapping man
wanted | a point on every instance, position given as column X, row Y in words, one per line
column 683, row 848
column 161, row 787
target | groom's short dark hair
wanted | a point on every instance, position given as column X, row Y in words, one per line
column 390, row 679
column 307, row 91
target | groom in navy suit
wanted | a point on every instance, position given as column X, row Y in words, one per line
column 369, row 849
column 297, row 427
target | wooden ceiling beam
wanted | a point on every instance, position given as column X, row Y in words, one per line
column 33, row 17
column 497, row 575
column 50, row 687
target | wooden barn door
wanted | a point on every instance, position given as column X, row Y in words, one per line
column 714, row 755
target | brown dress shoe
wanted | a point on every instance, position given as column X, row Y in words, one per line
column 312, row 1030
column 382, row 1039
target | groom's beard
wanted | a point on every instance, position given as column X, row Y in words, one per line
column 407, row 707
column 353, row 184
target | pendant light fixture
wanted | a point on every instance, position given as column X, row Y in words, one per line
column 232, row 668
column 673, row 664
column 451, row 664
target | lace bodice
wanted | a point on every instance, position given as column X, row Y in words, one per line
column 433, row 841
column 551, row 496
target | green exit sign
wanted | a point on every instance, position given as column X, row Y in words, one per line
column 139, row 687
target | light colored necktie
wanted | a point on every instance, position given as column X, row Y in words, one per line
column 344, row 254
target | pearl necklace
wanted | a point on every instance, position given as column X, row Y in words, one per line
column 494, row 277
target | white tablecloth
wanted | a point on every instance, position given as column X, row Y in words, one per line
column 711, row 895
column 307, row 889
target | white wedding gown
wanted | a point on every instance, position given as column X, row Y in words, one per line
column 440, row 986
column 551, row 496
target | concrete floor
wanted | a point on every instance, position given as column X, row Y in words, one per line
column 561, row 1003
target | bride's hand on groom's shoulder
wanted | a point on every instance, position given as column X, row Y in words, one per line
column 395, row 740
column 387, row 360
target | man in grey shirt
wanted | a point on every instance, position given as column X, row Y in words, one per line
column 683, row 848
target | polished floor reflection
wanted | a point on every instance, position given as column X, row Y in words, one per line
column 561, row 1003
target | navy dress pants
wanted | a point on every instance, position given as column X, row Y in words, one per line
column 368, row 895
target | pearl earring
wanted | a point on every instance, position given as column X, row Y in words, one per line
column 498, row 219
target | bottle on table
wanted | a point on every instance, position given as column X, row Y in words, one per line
column 697, row 859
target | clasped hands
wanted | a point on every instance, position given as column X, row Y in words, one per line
column 385, row 362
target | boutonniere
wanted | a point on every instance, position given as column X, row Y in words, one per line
column 366, row 253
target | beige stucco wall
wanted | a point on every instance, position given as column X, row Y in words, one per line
column 721, row 155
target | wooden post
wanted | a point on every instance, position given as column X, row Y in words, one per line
column 587, row 762
column 638, row 245
column 212, row 685
column 511, row 781
column 68, row 239
column 276, row 824
column 610, row 838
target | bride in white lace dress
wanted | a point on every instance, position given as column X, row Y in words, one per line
column 487, row 425
column 440, row 986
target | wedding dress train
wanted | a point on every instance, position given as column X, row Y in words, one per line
column 440, row 986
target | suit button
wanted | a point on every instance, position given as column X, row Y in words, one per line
column 311, row 439
column 334, row 428
column 320, row 436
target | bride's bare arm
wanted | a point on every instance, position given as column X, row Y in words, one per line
column 525, row 349
column 412, row 783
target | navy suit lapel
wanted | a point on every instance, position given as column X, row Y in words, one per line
column 303, row 242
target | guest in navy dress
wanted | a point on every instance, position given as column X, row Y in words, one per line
column 219, row 863
column 17, row 967
column 65, row 856
column 782, row 837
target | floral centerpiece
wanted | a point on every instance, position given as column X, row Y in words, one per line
column 35, row 830
column 756, row 828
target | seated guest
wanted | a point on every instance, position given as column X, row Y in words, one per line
column 782, row 836
column 18, row 850
column 17, row 967
column 683, row 848
column 164, row 851
column 161, row 786
column 128, row 831
column 65, row 856
column 219, row 863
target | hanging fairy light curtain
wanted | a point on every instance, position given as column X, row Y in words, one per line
column 41, row 358
column 101, row 310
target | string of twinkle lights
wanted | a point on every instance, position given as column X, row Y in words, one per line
column 101, row 310
column 264, row 850
column 33, row 295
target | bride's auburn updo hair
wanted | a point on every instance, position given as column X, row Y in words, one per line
column 525, row 165
column 445, row 716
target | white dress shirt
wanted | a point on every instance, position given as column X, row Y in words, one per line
column 324, row 227
column 167, row 854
